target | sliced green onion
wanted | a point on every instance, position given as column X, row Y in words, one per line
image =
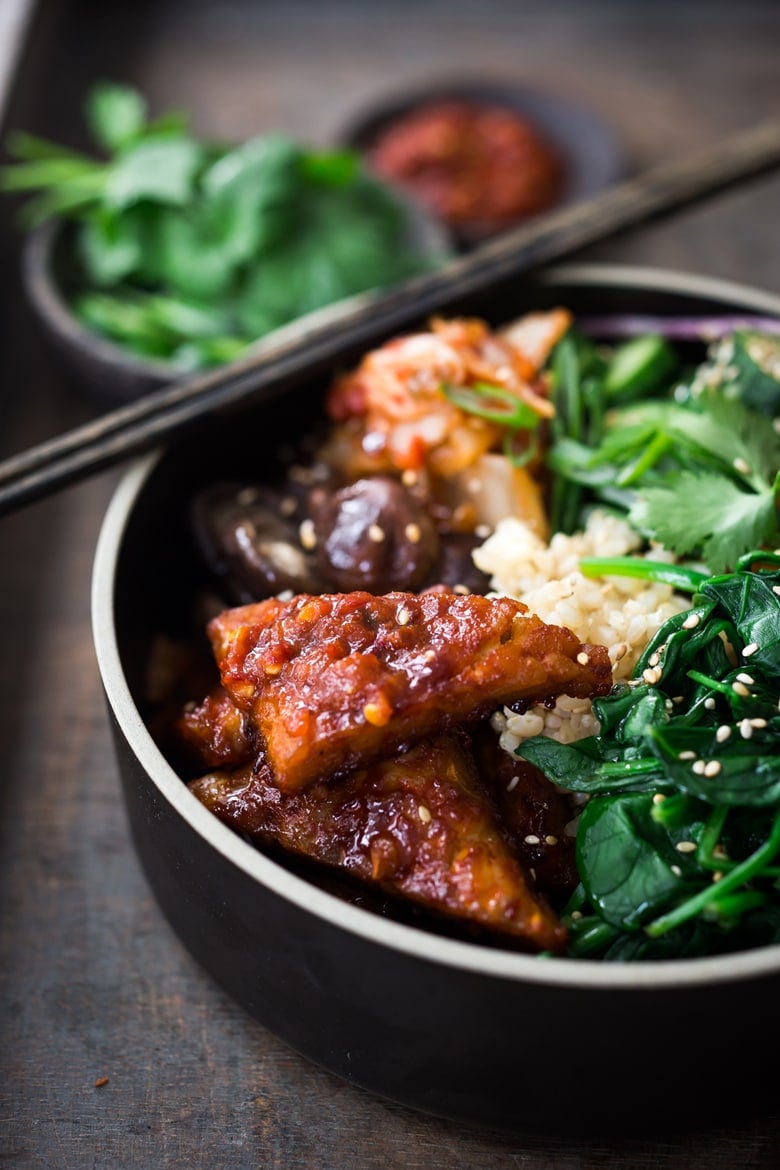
column 769, row 560
column 524, row 457
column 686, row 580
column 654, row 451
column 494, row 403
column 638, row 365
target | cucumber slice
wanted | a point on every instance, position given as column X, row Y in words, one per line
column 757, row 360
column 639, row 366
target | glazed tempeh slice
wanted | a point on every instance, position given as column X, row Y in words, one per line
column 215, row 733
column 332, row 682
column 418, row 825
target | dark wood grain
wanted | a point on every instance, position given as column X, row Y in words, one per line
column 93, row 983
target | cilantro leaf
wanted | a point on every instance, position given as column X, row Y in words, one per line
column 115, row 114
column 161, row 169
column 708, row 513
column 109, row 248
column 191, row 249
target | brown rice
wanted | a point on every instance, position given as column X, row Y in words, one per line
column 622, row 613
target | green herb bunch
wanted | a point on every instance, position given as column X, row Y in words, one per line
column 691, row 456
column 678, row 843
column 187, row 250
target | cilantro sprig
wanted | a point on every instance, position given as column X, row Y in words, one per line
column 188, row 250
column 695, row 466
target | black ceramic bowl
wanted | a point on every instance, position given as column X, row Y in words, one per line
column 588, row 147
column 458, row 1029
column 103, row 368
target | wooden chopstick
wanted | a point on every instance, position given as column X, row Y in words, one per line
column 306, row 346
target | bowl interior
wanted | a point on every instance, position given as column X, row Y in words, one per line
column 147, row 577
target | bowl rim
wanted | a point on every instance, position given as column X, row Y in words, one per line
column 413, row 941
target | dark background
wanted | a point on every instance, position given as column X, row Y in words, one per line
column 92, row 981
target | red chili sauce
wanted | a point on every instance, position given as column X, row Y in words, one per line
column 479, row 168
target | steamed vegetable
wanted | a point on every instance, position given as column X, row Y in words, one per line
column 678, row 845
column 188, row 250
column 695, row 463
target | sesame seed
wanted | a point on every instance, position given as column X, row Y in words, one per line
column 692, row 621
column 776, row 425
column 758, row 723
column 373, row 442
column 429, row 655
column 678, row 699
column 653, row 660
column 745, row 729
column 712, row 768
column 424, row 814
column 409, row 478
column 745, row 678
column 739, row 688
column 301, row 475
column 583, row 658
column 709, row 703
column 483, row 531
column 462, row 589
column 776, row 589
column 699, row 767
column 676, row 870
column 620, row 651
column 576, row 915
column 247, row 495
column 413, row 533
column 750, row 649
column 550, row 840
column 723, row 733
column 651, row 676
column 686, row 846
column 403, row 617
column 718, row 875
column 307, row 535
column 513, row 783
column 531, row 839
column 741, row 466
column 376, row 533
column 659, row 798
column 378, row 713
column 686, row 755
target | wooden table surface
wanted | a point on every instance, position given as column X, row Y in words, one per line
column 93, row 984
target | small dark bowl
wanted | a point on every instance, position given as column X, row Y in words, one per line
column 459, row 1029
column 590, row 152
column 105, row 370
